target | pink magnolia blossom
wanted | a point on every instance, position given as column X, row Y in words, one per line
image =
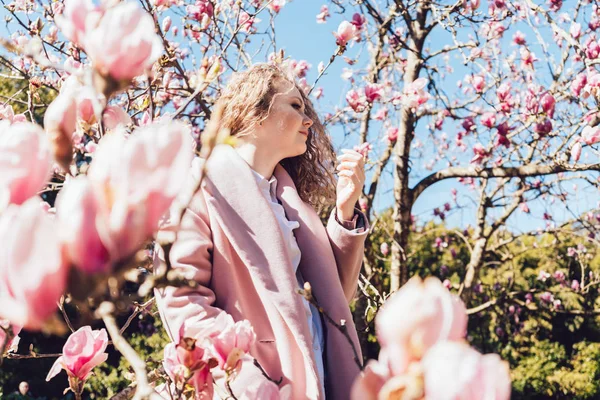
column 592, row 49
column 130, row 184
column 480, row 153
column 385, row 249
column 575, row 30
column 12, row 344
column 488, row 119
column 124, row 44
column 87, row 101
column 578, row 84
column 415, row 94
column 83, row 351
column 381, row 114
column 166, row 24
column 519, row 38
column 277, row 5
column 358, row 20
column 346, row 32
column 576, row 151
column 7, row 113
column 114, row 116
column 524, row 207
column 323, row 15
column 369, row 384
column 420, row 314
column 548, row 103
column 478, row 83
column 25, row 162
column 267, row 390
column 392, row 134
column 187, row 362
column 373, row 92
column 453, row 370
column 364, row 149
column 543, row 128
column 590, row 135
column 527, row 58
column 201, row 10
column 60, row 122
column 232, row 343
column 356, row 100
column 32, row 271
column 77, row 19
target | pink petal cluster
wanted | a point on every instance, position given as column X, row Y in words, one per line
column 188, row 362
column 392, row 134
column 25, row 162
column 548, row 104
column 232, row 343
column 385, row 249
column 421, row 329
column 478, row 83
column 480, row 153
column 346, row 31
column 60, row 122
column 356, row 100
column 7, row 113
column 415, row 94
column 373, row 92
column 32, row 270
column 120, row 41
column 576, row 151
column 590, row 135
column 131, row 183
column 83, row 351
column 323, row 15
column 115, row 116
column 13, row 343
column 454, row 370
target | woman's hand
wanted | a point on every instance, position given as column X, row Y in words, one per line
column 351, row 170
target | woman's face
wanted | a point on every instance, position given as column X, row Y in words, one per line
column 285, row 130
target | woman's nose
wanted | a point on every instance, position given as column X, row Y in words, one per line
column 307, row 122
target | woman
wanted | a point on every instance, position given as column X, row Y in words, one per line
column 251, row 237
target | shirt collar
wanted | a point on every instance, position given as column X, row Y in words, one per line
column 267, row 187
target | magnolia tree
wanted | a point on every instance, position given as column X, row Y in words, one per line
column 500, row 96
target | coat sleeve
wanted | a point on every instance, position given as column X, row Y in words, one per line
column 187, row 311
column 348, row 248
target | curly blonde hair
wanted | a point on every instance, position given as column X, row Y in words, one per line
column 246, row 102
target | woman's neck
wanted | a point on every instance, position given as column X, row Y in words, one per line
column 260, row 162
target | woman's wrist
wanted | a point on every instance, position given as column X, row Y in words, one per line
column 344, row 215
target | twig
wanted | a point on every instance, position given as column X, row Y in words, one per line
column 342, row 327
column 144, row 390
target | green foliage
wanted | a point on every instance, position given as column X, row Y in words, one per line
column 553, row 350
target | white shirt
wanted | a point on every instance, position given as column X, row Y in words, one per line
column 269, row 191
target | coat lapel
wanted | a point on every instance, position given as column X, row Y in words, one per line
column 253, row 231
column 318, row 266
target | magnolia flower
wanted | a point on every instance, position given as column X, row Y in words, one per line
column 478, row 83
column 392, row 134
column 32, row 271
column 576, row 151
column 130, row 185
column 415, row 94
column 7, row 113
column 6, row 344
column 412, row 320
column 187, row 362
column 83, row 351
column 232, row 343
column 453, row 370
column 60, row 122
column 590, row 135
column 346, row 32
column 356, row 100
column 25, row 162
column 78, row 17
column 480, row 153
column 373, row 92
column 385, row 249
column 114, row 116
column 548, row 103
column 323, row 15
column 123, row 44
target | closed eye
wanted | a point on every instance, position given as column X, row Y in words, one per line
column 297, row 106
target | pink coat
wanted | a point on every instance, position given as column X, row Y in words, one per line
column 231, row 244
